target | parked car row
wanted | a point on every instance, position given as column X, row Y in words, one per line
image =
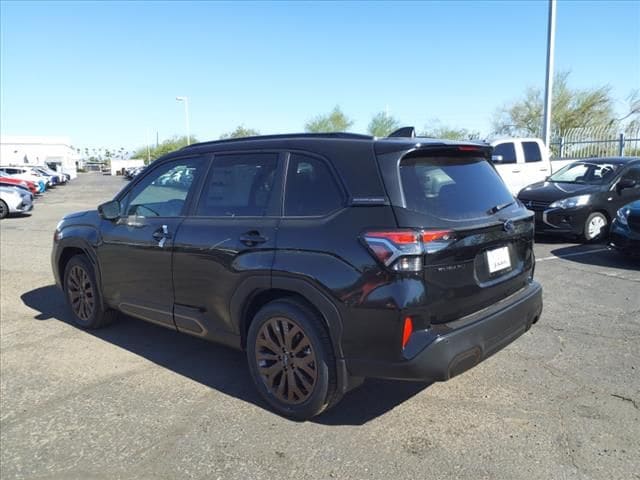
column 19, row 185
column 133, row 172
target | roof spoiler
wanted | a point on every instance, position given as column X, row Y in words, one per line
column 405, row 132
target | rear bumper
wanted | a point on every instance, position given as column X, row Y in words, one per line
column 444, row 351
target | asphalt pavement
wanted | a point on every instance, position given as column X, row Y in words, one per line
column 138, row 401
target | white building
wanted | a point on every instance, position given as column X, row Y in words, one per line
column 56, row 152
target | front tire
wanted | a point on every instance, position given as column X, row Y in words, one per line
column 83, row 295
column 291, row 359
column 4, row 209
column 595, row 227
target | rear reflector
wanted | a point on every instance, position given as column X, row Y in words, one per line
column 407, row 330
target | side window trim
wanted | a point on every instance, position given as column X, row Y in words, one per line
column 275, row 203
column 332, row 172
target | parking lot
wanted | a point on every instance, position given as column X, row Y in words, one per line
column 138, row 401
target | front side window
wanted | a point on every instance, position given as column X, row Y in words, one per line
column 311, row 189
column 507, row 151
column 239, row 185
column 163, row 192
column 632, row 174
column 531, row 152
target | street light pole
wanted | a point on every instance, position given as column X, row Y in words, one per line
column 548, row 86
column 186, row 115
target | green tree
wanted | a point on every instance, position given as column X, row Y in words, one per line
column 382, row 124
column 240, row 132
column 571, row 108
column 436, row 130
column 167, row 146
column 335, row 121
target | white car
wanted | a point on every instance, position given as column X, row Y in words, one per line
column 14, row 200
column 521, row 161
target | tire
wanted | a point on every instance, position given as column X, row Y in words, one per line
column 298, row 352
column 595, row 227
column 4, row 209
column 83, row 295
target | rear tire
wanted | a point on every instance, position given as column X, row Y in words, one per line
column 83, row 295
column 4, row 209
column 595, row 227
column 291, row 359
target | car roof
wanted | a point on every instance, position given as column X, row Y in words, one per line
column 618, row 160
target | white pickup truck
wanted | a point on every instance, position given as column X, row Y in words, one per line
column 523, row 161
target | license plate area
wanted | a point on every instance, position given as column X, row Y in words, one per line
column 498, row 259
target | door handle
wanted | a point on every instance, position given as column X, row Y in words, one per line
column 252, row 238
column 161, row 235
column 515, row 171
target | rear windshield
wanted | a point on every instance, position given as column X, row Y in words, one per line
column 453, row 188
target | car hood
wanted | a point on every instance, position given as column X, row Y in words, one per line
column 552, row 191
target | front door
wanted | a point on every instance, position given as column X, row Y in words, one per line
column 228, row 244
column 135, row 252
column 626, row 195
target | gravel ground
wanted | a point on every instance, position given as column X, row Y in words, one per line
column 138, row 401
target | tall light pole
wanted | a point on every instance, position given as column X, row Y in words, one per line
column 186, row 115
column 548, row 86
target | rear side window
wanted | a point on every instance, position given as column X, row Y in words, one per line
column 239, row 185
column 531, row 152
column 311, row 188
column 452, row 188
column 507, row 151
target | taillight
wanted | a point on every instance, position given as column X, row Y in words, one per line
column 402, row 250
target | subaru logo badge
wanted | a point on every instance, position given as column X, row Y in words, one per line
column 508, row 226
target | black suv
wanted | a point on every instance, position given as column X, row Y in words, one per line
column 326, row 257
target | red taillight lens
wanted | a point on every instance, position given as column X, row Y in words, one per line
column 402, row 250
column 407, row 330
column 433, row 235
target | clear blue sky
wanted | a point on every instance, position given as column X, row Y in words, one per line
column 103, row 73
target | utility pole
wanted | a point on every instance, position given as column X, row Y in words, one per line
column 548, row 86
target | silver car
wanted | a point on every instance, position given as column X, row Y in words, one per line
column 14, row 200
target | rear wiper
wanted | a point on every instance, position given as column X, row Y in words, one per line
column 497, row 208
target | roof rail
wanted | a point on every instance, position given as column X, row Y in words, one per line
column 405, row 132
column 284, row 136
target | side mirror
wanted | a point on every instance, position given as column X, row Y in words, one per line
column 625, row 183
column 110, row 210
column 497, row 158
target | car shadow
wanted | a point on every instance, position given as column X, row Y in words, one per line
column 599, row 255
column 216, row 366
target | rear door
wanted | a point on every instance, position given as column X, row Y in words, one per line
column 229, row 239
column 489, row 256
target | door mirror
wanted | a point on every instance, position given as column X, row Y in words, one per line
column 625, row 183
column 110, row 210
column 497, row 158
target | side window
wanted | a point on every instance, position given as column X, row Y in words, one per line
column 531, row 152
column 311, row 188
column 507, row 151
column 633, row 174
column 163, row 192
column 239, row 185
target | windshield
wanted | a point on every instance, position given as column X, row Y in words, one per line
column 453, row 188
column 590, row 173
